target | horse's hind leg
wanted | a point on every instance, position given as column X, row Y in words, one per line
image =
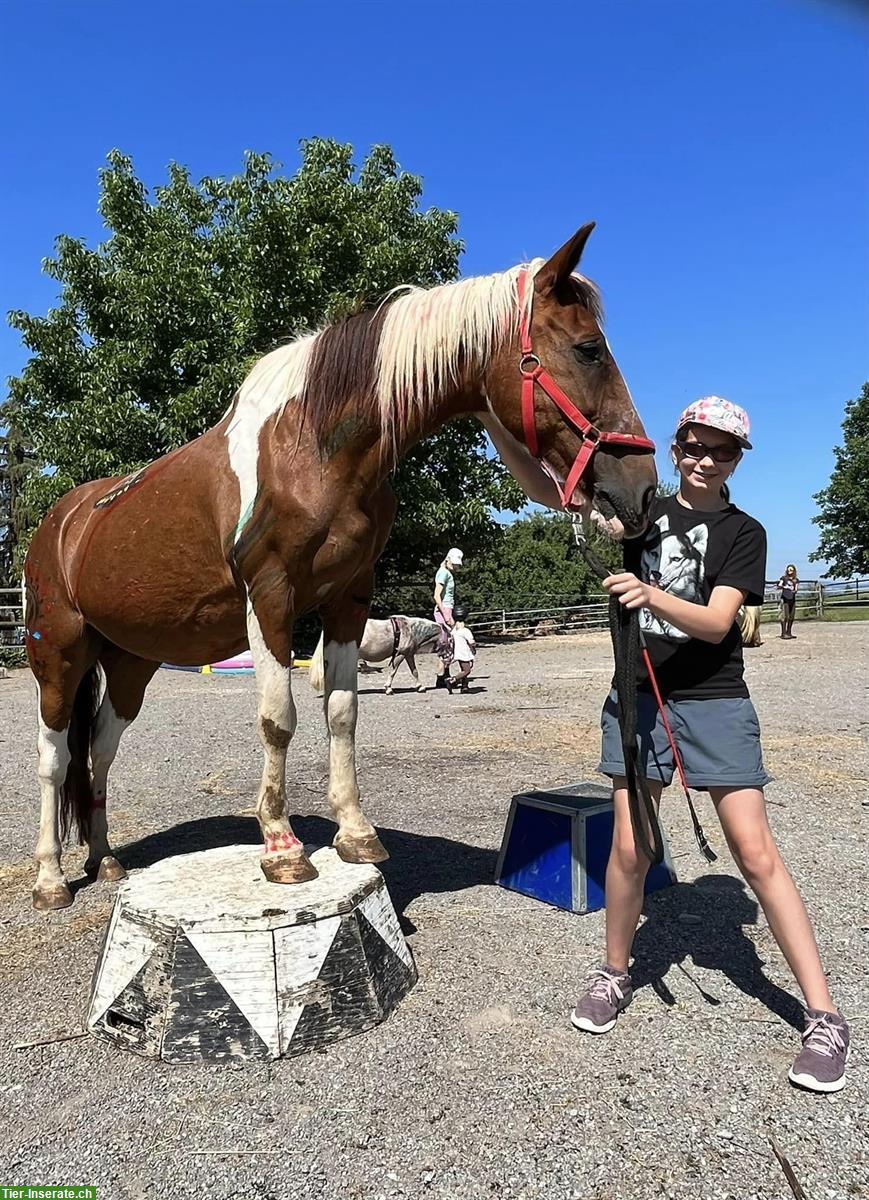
column 58, row 672
column 269, row 636
column 127, row 677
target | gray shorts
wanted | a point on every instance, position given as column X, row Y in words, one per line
column 719, row 741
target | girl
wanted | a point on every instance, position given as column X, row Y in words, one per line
column 444, row 599
column 464, row 651
column 700, row 559
column 789, row 586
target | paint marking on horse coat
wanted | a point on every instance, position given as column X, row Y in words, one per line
column 272, row 382
column 121, row 489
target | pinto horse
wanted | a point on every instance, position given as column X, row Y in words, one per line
column 284, row 507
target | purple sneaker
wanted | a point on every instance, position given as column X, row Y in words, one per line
column 820, row 1065
column 607, row 994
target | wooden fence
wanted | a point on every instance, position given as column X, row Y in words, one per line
column 557, row 611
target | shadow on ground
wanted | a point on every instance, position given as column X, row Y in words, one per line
column 418, row 864
column 700, row 922
column 703, row 922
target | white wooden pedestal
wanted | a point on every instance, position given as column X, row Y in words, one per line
column 205, row 959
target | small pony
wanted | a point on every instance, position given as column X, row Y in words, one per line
column 397, row 638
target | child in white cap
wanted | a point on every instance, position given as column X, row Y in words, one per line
column 464, row 650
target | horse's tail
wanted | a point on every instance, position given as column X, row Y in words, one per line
column 316, row 676
column 77, row 792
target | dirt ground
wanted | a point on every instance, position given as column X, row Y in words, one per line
column 477, row 1086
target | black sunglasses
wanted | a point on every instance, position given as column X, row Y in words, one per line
column 699, row 450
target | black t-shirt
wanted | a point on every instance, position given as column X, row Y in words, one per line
column 688, row 553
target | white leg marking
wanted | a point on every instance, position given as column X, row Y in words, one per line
column 341, row 711
column 277, row 724
column 54, row 757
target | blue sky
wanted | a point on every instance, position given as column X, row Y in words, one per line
column 722, row 149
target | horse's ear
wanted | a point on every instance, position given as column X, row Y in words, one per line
column 563, row 262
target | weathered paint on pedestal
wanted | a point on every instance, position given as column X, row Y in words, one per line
column 205, row 959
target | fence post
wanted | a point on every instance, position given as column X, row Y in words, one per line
column 503, row 620
column 820, row 588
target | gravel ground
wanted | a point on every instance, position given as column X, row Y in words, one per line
column 477, row 1086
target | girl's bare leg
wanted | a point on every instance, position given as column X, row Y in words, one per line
column 625, row 879
column 742, row 812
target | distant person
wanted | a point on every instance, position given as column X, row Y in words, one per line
column 464, row 650
column 444, row 600
column 788, row 585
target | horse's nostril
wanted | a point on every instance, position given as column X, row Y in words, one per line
column 648, row 497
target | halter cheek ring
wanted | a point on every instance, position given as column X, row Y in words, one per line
column 534, row 373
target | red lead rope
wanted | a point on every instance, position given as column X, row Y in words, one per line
column 702, row 841
column 602, row 572
column 534, row 374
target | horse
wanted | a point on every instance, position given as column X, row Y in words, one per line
column 284, row 507
column 398, row 639
column 748, row 618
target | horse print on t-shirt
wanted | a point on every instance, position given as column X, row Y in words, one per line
column 676, row 564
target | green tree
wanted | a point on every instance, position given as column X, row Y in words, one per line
column 156, row 326
column 534, row 563
column 17, row 466
column 844, row 503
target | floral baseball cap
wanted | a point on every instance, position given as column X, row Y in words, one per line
column 718, row 414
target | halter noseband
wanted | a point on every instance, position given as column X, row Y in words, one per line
column 592, row 437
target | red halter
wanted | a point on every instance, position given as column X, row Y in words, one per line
column 532, row 372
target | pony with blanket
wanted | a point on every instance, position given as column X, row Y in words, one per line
column 397, row 639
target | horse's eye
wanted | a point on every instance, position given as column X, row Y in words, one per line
column 589, row 352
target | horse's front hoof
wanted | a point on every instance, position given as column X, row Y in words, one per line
column 288, row 868
column 47, row 899
column 368, row 849
column 421, row 687
column 105, row 870
column 110, row 870
column 387, row 691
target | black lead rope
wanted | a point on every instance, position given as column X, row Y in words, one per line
column 628, row 643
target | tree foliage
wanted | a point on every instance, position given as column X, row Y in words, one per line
column 531, row 563
column 17, row 468
column 535, row 562
column 156, row 326
column 844, row 503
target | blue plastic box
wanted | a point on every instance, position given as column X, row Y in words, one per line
column 556, row 846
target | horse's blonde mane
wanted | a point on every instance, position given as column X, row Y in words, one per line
column 396, row 361
column 433, row 338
